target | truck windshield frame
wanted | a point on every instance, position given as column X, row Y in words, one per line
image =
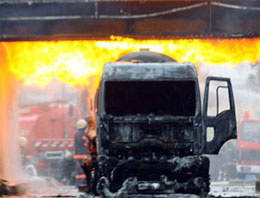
column 174, row 98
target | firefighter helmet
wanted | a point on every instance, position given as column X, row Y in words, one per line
column 22, row 141
column 81, row 124
column 68, row 155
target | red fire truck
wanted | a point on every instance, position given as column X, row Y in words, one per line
column 248, row 144
column 49, row 129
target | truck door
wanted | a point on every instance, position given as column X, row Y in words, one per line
column 219, row 119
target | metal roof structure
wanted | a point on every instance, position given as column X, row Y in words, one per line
column 99, row 19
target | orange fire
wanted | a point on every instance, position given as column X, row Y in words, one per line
column 5, row 105
column 79, row 63
column 75, row 62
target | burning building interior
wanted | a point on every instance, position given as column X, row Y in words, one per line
column 140, row 68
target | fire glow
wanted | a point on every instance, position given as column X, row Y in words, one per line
column 5, row 105
column 79, row 62
column 75, row 62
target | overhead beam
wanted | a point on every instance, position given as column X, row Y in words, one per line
column 99, row 19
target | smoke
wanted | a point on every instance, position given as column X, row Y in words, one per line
column 245, row 79
column 13, row 96
column 55, row 90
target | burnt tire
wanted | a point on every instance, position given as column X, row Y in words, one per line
column 199, row 182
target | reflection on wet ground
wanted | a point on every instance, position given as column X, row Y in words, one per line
column 50, row 188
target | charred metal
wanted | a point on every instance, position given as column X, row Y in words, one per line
column 151, row 131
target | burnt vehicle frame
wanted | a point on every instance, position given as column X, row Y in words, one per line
column 152, row 150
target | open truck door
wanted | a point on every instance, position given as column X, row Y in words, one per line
column 218, row 113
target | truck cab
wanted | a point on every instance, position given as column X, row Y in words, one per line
column 152, row 129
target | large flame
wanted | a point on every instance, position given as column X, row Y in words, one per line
column 75, row 62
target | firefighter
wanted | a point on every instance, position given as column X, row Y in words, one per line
column 90, row 163
column 67, row 169
column 22, row 144
column 81, row 151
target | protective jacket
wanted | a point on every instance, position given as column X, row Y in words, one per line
column 81, row 143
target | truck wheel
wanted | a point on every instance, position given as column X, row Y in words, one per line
column 202, row 176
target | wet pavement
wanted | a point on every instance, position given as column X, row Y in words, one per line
column 39, row 187
column 45, row 188
column 234, row 188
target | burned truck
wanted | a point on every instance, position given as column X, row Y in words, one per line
column 151, row 129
